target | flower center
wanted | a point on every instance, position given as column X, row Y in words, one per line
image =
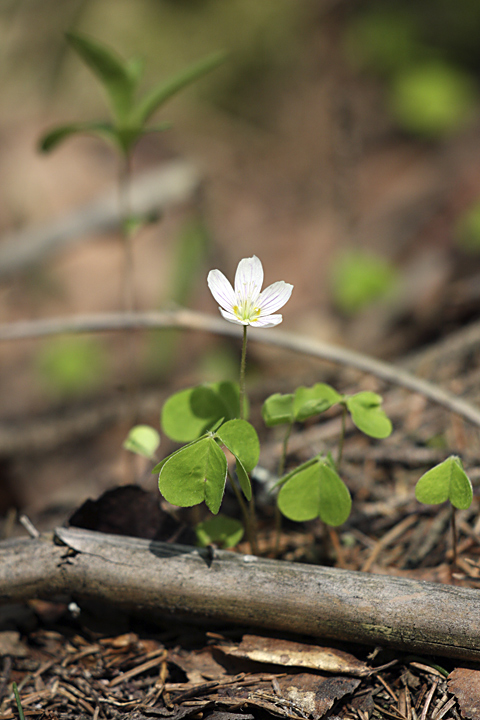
column 246, row 311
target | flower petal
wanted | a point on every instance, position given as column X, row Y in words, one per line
column 248, row 280
column 267, row 321
column 221, row 289
column 231, row 317
column 274, row 297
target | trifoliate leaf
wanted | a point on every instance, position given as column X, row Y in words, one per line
column 278, row 410
column 189, row 413
column 221, row 530
column 446, row 481
column 194, row 474
column 367, row 414
column 242, row 440
column 310, row 401
column 315, row 491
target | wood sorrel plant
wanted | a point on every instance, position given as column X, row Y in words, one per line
column 213, row 416
column 130, row 116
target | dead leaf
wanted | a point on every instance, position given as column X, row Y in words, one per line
column 10, row 644
column 465, row 685
column 276, row 651
column 198, row 666
column 315, row 694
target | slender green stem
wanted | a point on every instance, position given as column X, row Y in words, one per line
column 342, row 438
column 454, row 536
column 18, row 701
column 242, row 373
column 281, row 470
column 125, row 217
column 249, row 530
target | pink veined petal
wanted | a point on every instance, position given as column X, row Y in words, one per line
column 274, row 297
column 267, row 321
column 231, row 317
column 248, row 280
column 221, row 289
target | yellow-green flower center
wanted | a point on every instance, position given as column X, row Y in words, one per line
column 246, row 311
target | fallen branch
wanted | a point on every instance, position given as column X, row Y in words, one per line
column 152, row 192
column 162, row 579
column 190, row 320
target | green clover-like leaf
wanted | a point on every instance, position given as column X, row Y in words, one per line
column 446, row 481
column 194, row 474
column 310, row 401
column 142, row 440
column 278, row 410
column 221, row 530
column 368, row 415
column 315, row 490
column 189, row 413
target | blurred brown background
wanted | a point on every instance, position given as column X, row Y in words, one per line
column 339, row 142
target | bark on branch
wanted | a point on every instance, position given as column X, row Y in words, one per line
column 318, row 601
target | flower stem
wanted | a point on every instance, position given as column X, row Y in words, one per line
column 242, row 373
column 342, row 438
column 454, row 537
column 246, row 512
column 281, row 470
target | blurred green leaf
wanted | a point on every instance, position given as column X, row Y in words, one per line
column 164, row 91
column 360, row 278
column 278, row 410
column 118, row 78
column 432, row 99
column 54, row 137
column 220, row 530
column 310, row 401
column 194, row 474
column 71, row 365
column 191, row 412
column 368, row 415
column 383, row 38
column 446, row 481
column 467, row 230
column 142, row 440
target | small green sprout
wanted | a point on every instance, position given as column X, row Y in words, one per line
column 446, row 481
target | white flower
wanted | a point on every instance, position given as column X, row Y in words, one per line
column 247, row 305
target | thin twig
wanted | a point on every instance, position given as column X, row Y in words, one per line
column 191, row 320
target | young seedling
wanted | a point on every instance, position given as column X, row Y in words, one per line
column 315, row 489
column 130, row 115
column 446, row 481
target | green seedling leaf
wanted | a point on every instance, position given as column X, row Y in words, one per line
column 69, row 366
column 242, row 440
column 243, row 479
column 315, row 491
column 433, row 98
column 367, row 414
column 142, row 440
column 335, row 502
column 190, row 413
column 163, row 92
column 194, row 474
column 220, row 530
column 54, row 137
column 278, row 410
column 446, row 481
column 314, row 400
column 118, row 78
column 360, row 278
column 18, row 701
column 467, row 230
column 156, row 470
